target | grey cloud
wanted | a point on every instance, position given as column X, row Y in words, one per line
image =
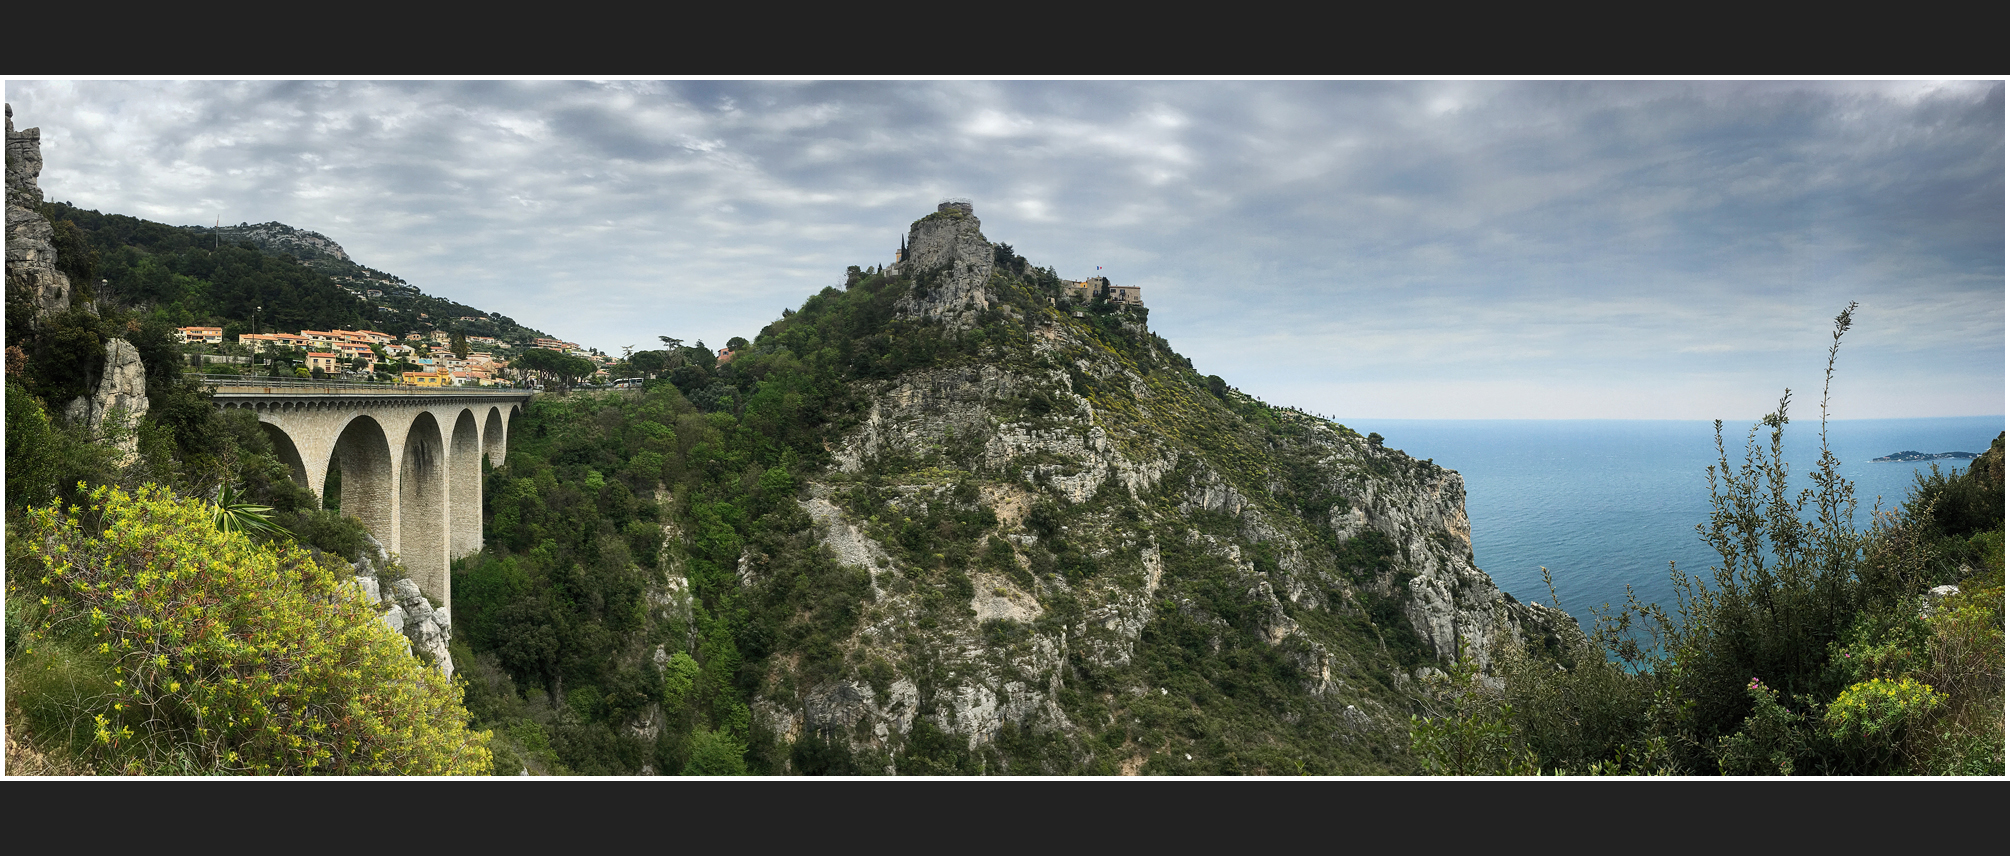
column 1585, row 235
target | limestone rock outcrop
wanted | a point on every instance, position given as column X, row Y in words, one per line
column 428, row 629
column 405, row 610
column 947, row 252
column 278, row 237
column 1930, row 602
column 119, row 402
column 32, row 276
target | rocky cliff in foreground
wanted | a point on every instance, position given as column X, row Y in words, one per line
column 39, row 289
column 1177, row 578
column 32, row 277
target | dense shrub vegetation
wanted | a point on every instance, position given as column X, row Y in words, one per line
column 155, row 642
column 1812, row 648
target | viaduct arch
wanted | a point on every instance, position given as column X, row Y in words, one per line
column 410, row 459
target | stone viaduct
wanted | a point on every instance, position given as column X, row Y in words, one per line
column 410, row 458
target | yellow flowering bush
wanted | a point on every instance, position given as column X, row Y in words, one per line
column 1880, row 706
column 226, row 656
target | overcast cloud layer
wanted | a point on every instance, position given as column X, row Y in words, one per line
column 1667, row 250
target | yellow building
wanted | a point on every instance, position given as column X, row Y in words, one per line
column 427, row 379
column 322, row 361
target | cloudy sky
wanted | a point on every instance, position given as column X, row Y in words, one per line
column 1365, row 249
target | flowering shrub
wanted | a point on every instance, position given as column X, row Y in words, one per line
column 1880, row 707
column 1923, row 689
column 225, row 656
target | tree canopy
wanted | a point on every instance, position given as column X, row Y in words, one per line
column 564, row 368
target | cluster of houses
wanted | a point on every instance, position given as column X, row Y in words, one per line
column 337, row 352
column 334, row 352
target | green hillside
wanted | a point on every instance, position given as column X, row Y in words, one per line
column 275, row 276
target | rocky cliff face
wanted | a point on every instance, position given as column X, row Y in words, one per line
column 32, row 276
column 1133, row 505
column 33, row 279
column 950, row 262
column 120, row 400
column 404, row 608
column 276, row 237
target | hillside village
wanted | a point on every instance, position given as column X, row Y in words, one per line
column 428, row 358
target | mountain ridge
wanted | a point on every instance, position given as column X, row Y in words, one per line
column 1125, row 497
column 336, row 286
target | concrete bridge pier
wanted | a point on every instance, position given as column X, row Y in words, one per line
column 422, row 506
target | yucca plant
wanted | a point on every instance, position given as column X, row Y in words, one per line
column 232, row 512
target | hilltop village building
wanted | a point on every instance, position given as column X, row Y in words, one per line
column 1122, row 295
column 367, row 336
column 561, row 347
column 321, row 361
column 262, row 341
column 203, row 335
column 350, row 351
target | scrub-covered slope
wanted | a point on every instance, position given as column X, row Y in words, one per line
column 1085, row 557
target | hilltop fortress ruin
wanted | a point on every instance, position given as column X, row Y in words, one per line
column 1078, row 291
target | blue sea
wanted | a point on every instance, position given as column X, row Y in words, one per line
column 1609, row 503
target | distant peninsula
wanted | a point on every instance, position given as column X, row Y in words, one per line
column 1910, row 455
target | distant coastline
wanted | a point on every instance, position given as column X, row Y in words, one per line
column 1911, row 456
